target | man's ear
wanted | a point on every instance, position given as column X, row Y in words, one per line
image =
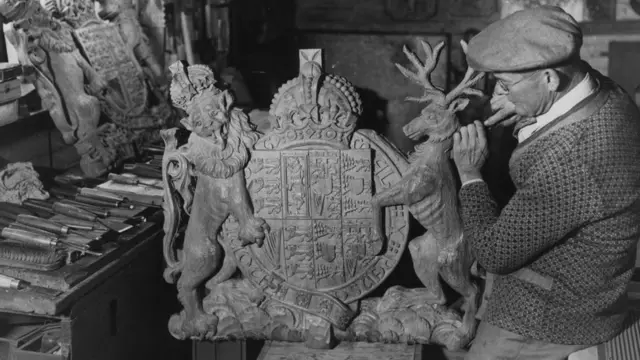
column 225, row 101
column 185, row 123
column 552, row 79
column 459, row 104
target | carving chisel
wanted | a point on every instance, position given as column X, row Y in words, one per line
column 51, row 231
column 105, row 213
column 39, row 239
column 131, row 180
column 9, row 282
column 78, row 213
column 144, row 170
column 109, row 195
column 88, row 196
column 113, row 195
column 53, row 227
column 43, row 206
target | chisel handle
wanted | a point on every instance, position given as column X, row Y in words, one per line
column 99, row 194
column 40, row 206
column 103, row 213
column 121, row 179
column 43, row 224
column 28, row 237
column 89, row 200
column 74, row 212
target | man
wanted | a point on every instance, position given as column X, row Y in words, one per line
column 563, row 248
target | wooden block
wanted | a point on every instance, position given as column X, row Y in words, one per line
column 274, row 350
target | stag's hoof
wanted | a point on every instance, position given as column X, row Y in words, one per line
column 201, row 326
column 254, row 231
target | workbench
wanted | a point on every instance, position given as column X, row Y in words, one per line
column 116, row 307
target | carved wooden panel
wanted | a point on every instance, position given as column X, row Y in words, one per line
column 106, row 51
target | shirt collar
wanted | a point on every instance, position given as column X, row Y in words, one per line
column 580, row 92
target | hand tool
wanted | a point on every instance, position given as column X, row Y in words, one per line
column 88, row 196
column 131, row 180
column 71, row 222
column 8, row 282
column 105, row 213
column 39, row 239
column 78, row 213
column 73, row 239
column 46, row 224
column 114, row 195
column 144, row 170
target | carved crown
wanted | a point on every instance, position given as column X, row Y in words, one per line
column 315, row 106
column 190, row 83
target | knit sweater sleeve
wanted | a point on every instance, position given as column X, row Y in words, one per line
column 556, row 199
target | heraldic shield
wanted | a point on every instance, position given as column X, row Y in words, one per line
column 312, row 179
column 280, row 224
column 127, row 97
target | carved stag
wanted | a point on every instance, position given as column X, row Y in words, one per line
column 429, row 189
column 216, row 153
column 64, row 80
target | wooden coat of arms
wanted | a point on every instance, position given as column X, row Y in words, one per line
column 282, row 226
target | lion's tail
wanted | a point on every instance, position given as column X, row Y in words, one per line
column 176, row 180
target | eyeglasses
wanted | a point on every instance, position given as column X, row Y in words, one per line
column 503, row 89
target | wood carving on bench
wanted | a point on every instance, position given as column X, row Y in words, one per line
column 324, row 231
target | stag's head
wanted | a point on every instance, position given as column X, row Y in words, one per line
column 438, row 120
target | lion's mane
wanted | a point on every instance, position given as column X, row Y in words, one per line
column 223, row 162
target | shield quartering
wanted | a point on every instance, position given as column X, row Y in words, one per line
column 312, row 177
column 127, row 94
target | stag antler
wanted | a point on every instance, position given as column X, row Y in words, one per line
column 422, row 76
column 467, row 83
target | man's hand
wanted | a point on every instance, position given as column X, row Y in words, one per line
column 503, row 111
column 470, row 151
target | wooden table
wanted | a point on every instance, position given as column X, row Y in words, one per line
column 117, row 307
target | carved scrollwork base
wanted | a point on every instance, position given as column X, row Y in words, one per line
column 401, row 315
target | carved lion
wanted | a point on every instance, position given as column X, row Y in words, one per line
column 216, row 152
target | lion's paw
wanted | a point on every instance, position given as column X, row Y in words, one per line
column 254, row 231
column 199, row 327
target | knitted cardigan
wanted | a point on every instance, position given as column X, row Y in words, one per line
column 563, row 248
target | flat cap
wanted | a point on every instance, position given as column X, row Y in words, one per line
column 535, row 38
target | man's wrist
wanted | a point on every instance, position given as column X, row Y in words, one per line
column 470, row 176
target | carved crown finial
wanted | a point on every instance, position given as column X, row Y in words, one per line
column 191, row 82
column 315, row 106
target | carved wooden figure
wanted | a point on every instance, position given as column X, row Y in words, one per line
column 429, row 190
column 125, row 16
column 218, row 148
column 129, row 100
column 306, row 270
column 65, row 81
